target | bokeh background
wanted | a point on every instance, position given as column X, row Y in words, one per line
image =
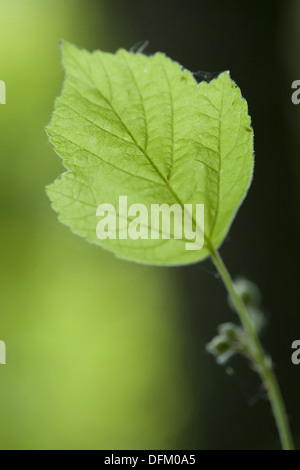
column 106, row 354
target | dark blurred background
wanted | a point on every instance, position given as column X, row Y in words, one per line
column 106, row 354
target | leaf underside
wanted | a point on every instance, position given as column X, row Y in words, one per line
column 128, row 124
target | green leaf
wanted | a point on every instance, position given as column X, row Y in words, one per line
column 142, row 127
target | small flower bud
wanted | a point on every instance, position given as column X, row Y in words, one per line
column 220, row 349
column 249, row 293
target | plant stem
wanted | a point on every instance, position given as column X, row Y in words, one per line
column 262, row 362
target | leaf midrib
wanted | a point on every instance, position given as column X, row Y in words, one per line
column 150, row 161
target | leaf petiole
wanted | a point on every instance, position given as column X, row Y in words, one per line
column 262, row 363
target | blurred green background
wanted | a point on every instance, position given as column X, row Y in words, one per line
column 106, row 354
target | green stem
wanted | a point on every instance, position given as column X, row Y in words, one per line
column 262, row 362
